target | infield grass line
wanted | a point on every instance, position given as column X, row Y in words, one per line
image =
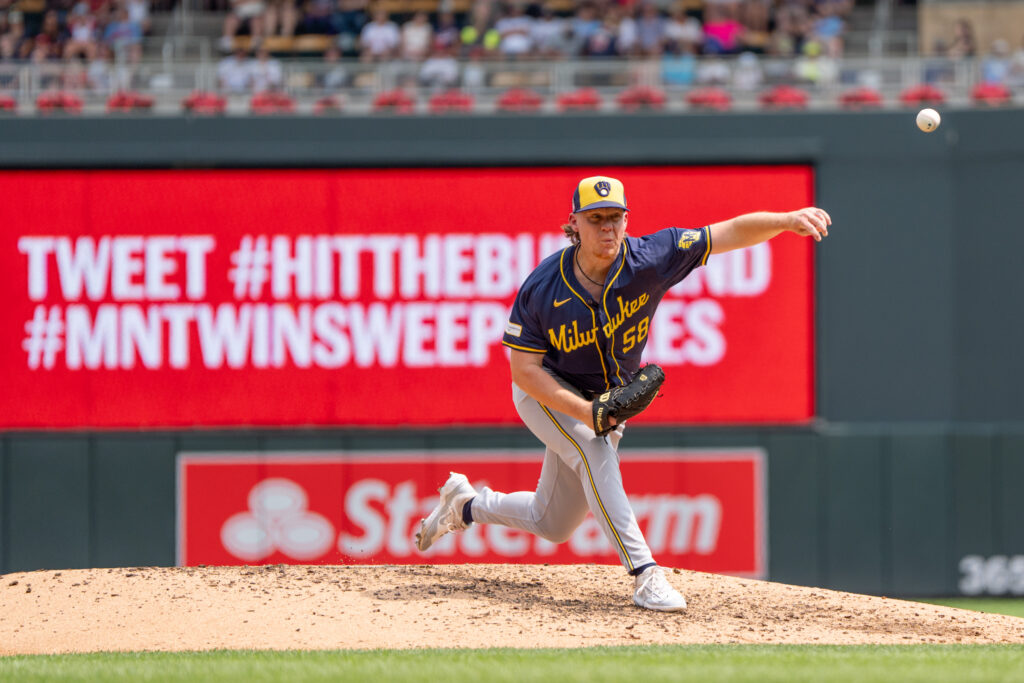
column 701, row 663
column 1011, row 606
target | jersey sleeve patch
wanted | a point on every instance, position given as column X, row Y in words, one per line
column 688, row 238
column 513, row 330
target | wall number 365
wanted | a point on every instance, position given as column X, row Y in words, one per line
column 995, row 575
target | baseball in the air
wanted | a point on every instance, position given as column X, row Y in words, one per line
column 928, row 120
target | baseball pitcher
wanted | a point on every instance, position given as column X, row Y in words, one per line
column 576, row 332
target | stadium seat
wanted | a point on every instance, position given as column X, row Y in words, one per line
column 332, row 104
column 922, row 94
column 451, row 102
column 641, row 97
column 204, row 103
column 716, row 99
column 8, row 105
column 584, row 99
column 394, row 102
column 991, row 94
column 860, row 98
column 279, row 45
column 128, row 102
column 783, row 97
column 519, row 100
column 59, row 102
column 311, row 44
column 271, row 103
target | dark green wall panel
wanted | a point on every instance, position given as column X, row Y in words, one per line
column 302, row 441
column 853, row 513
column 48, row 503
column 973, row 472
column 4, row 512
column 794, row 522
column 883, row 325
column 218, row 441
column 134, row 486
column 1011, row 487
column 989, row 366
column 395, row 438
column 919, row 526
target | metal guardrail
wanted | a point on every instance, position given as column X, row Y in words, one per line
column 357, row 83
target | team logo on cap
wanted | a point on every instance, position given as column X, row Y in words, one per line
column 603, row 188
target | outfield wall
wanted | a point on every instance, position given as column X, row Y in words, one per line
column 916, row 455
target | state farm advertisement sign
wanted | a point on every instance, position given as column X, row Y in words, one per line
column 702, row 510
column 363, row 297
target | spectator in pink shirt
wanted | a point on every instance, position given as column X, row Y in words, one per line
column 723, row 34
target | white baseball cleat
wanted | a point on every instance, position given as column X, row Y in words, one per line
column 447, row 516
column 653, row 591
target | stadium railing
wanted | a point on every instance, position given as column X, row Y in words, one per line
column 169, row 82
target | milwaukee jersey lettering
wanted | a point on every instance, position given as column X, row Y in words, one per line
column 597, row 344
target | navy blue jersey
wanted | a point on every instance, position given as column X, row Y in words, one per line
column 595, row 345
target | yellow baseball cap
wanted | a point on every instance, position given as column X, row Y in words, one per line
column 599, row 192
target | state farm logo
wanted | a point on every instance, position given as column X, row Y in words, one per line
column 380, row 520
column 278, row 519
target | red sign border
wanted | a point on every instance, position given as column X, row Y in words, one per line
column 757, row 455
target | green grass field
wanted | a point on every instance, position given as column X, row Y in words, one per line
column 782, row 663
column 1012, row 606
column 701, row 663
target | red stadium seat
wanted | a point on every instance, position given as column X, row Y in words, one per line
column 451, row 102
column 784, row 97
column 991, row 94
column 8, row 105
column 332, row 104
column 641, row 97
column 584, row 99
column 129, row 102
column 271, row 103
column 519, row 100
column 204, row 103
column 922, row 94
column 394, row 102
column 861, row 98
column 59, row 102
column 716, row 99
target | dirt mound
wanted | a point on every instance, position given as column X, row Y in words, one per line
column 300, row 607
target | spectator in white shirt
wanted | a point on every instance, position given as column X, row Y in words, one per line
column 82, row 26
column 549, row 34
column 441, row 70
column 417, row 36
column 514, row 29
column 243, row 12
column 234, row 72
column 265, row 72
column 138, row 11
column 683, row 30
column 379, row 39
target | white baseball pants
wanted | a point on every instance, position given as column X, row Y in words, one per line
column 580, row 474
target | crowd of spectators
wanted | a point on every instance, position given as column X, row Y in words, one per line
column 999, row 64
column 446, row 45
column 531, row 29
column 80, row 31
column 690, row 38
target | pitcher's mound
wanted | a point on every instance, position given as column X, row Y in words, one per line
column 470, row 606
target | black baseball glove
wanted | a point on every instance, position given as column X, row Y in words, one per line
column 626, row 401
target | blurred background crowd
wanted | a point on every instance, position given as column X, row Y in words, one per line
column 696, row 42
